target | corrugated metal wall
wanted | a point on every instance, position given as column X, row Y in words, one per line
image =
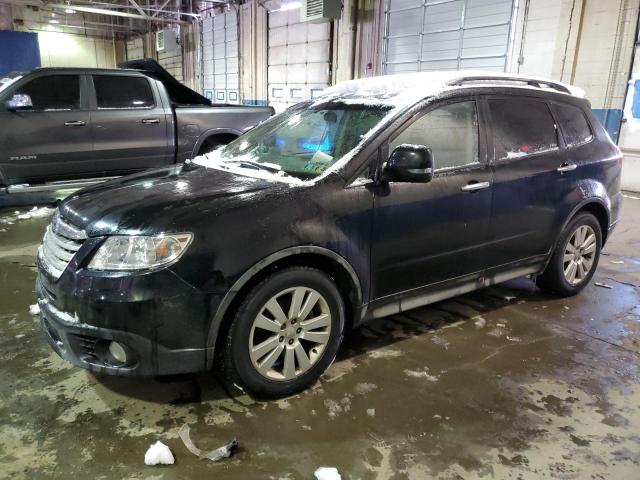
column 446, row 35
column 298, row 58
column 220, row 62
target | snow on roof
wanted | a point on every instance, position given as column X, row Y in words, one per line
column 404, row 89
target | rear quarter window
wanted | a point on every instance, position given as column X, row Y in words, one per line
column 521, row 127
column 574, row 125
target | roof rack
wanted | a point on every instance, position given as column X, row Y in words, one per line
column 529, row 81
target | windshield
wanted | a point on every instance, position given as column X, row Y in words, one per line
column 303, row 141
column 9, row 79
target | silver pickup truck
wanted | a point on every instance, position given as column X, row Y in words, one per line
column 77, row 123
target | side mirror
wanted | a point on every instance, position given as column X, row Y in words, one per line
column 409, row 163
column 19, row 101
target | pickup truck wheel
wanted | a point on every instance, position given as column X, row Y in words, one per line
column 286, row 333
column 575, row 258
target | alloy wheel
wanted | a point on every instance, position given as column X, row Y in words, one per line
column 290, row 333
column 579, row 255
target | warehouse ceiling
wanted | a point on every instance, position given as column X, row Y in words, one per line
column 114, row 18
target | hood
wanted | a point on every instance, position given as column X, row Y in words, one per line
column 173, row 199
column 178, row 93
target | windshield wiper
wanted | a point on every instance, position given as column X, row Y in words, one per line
column 258, row 165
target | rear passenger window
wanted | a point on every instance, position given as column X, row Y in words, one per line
column 574, row 125
column 113, row 91
column 53, row 92
column 521, row 127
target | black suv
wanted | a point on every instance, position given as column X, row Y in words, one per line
column 379, row 196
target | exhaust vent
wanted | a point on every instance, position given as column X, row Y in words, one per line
column 318, row 11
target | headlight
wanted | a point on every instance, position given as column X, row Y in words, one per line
column 139, row 252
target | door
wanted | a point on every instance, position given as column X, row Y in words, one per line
column 52, row 139
column 299, row 58
column 529, row 189
column 130, row 128
column 220, row 61
column 426, row 233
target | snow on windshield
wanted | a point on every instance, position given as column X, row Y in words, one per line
column 7, row 81
column 242, row 165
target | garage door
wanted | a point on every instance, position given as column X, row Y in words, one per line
column 446, row 35
column 220, row 65
column 299, row 54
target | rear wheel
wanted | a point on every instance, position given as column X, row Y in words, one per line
column 575, row 258
column 286, row 333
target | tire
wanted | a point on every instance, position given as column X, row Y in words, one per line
column 557, row 277
column 284, row 370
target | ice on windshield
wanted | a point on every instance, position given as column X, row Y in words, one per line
column 300, row 144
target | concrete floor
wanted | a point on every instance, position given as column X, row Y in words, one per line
column 506, row 382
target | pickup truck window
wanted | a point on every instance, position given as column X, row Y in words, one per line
column 305, row 140
column 119, row 91
column 53, row 92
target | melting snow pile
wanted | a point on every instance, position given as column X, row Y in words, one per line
column 327, row 473
column 34, row 309
column 35, row 212
column 158, row 454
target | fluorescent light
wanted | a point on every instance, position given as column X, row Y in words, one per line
column 69, row 10
column 54, row 21
column 288, row 6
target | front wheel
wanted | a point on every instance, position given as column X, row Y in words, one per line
column 575, row 258
column 286, row 333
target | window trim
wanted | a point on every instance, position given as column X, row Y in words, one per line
column 566, row 146
column 82, row 100
column 482, row 145
column 94, row 92
column 559, row 138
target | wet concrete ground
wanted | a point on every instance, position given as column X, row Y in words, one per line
column 506, row 382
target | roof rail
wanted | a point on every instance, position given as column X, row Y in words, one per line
column 532, row 82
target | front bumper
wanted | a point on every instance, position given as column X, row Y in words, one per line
column 163, row 332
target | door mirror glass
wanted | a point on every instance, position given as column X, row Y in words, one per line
column 19, row 101
column 409, row 163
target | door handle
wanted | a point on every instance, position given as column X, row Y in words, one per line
column 567, row 167
column 475, row 186
column 150, row 120
column 75, row 123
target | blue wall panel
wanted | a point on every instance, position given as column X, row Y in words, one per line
column 18, row 51
column 610, row 119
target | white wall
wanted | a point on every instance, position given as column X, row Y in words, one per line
column 65, row 50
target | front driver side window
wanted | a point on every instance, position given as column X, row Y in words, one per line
column 53, row 92
column 451, row 132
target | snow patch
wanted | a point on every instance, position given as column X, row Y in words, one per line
column 233, row 165
column 424, row 373
column 158, row 454
column 34, row 309
column 327, row 473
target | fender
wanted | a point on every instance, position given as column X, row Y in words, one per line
column 604, row 202
column 261, row 265
column 209, row 133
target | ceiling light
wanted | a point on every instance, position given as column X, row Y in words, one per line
column 54, row 21
column 69, row 10
column 288, row 6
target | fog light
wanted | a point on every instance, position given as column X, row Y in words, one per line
column 118, row 352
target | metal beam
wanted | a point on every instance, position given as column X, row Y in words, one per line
column 137, row 7
column 161, row 8
column 104, row 11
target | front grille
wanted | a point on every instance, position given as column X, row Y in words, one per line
column 60, row 243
